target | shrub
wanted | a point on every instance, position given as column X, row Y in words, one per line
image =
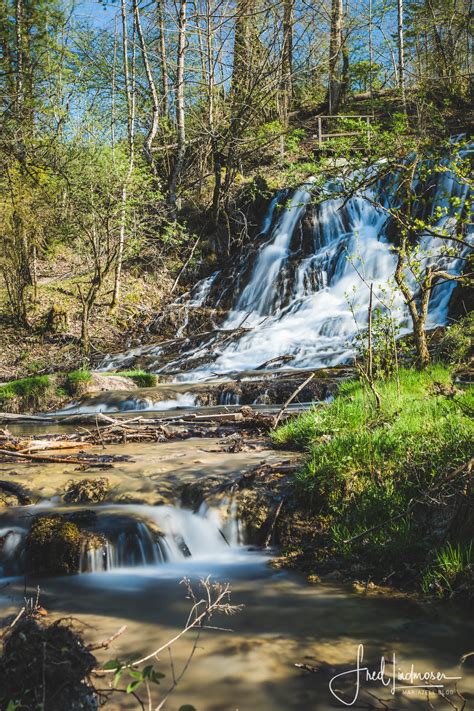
column 456, row 343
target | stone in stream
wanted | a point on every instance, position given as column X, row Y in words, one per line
column 54, row 545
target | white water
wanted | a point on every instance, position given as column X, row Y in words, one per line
column 149, row 536
column 181, row 401
column 311, row 302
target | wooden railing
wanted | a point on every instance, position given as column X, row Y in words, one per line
column 324, row 136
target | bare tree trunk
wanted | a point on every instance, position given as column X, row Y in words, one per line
column 180, row 109
column 335, row 55
column 155, row 117
column 287, row 59
column 130, row 96
column 401, row 51
column 163, row 58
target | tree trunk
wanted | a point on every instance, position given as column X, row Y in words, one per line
column 130, row 98
column 401, row 51
column 155, row 115
column 335, row 55
column 163, row 58
column 180, row 110
column 287, row 59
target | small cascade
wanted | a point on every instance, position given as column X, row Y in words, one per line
column 132, row 536
column 10, row 542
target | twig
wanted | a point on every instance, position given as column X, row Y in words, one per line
column 107, row 642
column 291, row 398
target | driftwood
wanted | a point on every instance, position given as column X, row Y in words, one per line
column 42, row 457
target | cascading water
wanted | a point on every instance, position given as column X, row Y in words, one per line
column 304, row 294
column 133, row 536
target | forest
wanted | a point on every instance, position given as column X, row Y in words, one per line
column 236, row 344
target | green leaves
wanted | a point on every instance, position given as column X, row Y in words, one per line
column 138, row 676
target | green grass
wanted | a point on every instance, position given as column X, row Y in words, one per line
column 75, row 379
column 139, row 377
column 451, row 568
column 27, row 390
column 366, row 466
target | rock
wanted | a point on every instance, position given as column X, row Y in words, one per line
column 54, row 545
column 102, row 382
column 12, row 494
column 86, row 491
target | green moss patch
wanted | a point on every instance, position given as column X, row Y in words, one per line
column 139, row 377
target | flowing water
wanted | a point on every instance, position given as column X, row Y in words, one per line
column 301, row 292
column 134, row 579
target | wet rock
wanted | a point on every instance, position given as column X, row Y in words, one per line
column 87, row 491
column 12, row 494
column 54, row 545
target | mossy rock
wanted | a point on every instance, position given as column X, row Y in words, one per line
column 54, row 544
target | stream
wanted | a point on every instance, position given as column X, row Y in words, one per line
column 282, row 308
column 250, row 664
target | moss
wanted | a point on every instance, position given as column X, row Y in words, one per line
column 27, row 391
column 86, row 491
column 54, row 544
column 139, row 377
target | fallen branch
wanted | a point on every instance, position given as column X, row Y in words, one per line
column 291, row 398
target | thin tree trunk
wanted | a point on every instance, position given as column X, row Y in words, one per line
column 335, row 55
column 401, row 51
column 287, row 59
column 155, row 116
column 130, row 96
column 163, row 58
column 180, row 110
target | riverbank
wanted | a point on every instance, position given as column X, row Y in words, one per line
column 386, row 492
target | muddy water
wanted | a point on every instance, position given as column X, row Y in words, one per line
column 249, row 666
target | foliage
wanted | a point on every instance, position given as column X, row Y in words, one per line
column 456, row 342
column 452, row 569
column 365, row 466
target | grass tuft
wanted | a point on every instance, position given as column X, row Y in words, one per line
column 27, row 390
column 140, row 378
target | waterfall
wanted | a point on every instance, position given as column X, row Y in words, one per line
column 302, row 290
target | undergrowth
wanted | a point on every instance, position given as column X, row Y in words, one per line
column 384, row 480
